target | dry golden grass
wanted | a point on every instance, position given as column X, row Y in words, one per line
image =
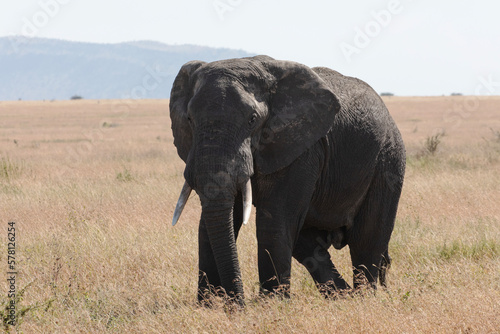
column 92, row 187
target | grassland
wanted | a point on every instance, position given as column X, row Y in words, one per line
column 92, row 186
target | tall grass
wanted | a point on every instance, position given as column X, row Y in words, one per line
column 9, row 169
column 97, row 253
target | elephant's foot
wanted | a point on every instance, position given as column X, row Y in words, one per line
column 281, row 291
column 363, row 279
column 363, row 286
column 385, row 264
column 212, row 296
column 334, row 289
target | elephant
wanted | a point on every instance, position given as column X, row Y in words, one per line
column 316, row 152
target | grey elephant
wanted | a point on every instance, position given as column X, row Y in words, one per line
column 318, row 155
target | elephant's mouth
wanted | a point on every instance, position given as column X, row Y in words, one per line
column 246, row 191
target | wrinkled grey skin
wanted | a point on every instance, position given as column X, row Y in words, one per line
column 325, row 159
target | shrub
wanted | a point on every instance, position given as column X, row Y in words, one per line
column 109, row 125
column 432, row 143
column 124, row 176
column 496, row 134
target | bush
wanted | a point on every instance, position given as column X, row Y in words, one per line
column 496, row 133
column 386, row 94
column 109, row 125
column 124, row 176
column 432, row 143
column 76, row 97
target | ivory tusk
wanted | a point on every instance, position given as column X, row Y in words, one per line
column 247, row 201
column 183, row 197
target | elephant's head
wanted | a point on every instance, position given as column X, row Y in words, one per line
column 234, row 118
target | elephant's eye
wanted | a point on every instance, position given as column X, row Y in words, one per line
column 253, row 120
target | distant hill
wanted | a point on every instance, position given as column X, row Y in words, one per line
column 46, row 69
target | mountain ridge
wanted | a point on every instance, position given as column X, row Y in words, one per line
column 53, row 69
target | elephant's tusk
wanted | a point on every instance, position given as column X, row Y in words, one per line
column 183, row 197
column 247, row 201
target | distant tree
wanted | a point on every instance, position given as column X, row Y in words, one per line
column 386, row 94
column 76, row 97
column 456, row 94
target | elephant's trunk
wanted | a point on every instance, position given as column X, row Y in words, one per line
column 219, row 167
column 218, row 219
column 217, row 191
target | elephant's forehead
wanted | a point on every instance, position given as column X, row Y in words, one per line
column 221, row 77
column 230, row 70
column 222, row 84
column 221, row 94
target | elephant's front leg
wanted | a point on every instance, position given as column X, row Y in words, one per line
column 275, row 246
column 282, row 204
column 208, row 276
column 209, row 282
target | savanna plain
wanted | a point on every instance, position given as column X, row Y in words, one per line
column 92, row 185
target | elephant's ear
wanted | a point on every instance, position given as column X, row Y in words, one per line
column 179, row 99
column 302, row 109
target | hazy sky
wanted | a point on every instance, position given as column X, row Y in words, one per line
column 408, row 47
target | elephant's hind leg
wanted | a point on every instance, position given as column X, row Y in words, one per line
column 311, row 250
column 369, row 237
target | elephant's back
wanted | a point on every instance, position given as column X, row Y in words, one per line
column 356, row 98
column 363, row 115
